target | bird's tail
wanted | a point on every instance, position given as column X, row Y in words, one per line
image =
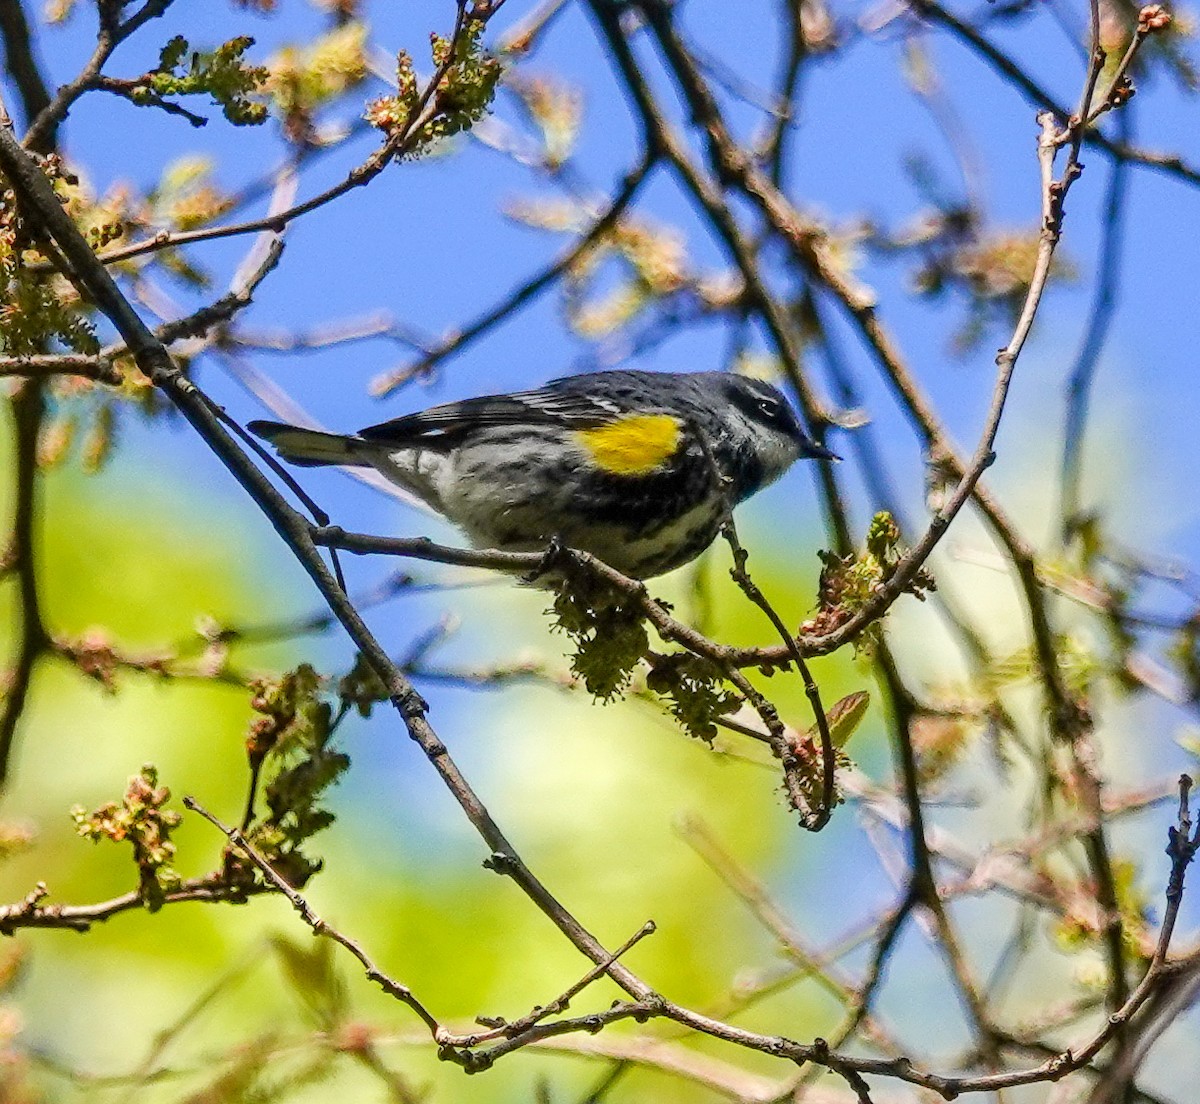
column 311, row 448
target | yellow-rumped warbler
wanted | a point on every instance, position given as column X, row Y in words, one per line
column 634, row 467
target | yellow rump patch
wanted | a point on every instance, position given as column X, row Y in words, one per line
column 634, row 445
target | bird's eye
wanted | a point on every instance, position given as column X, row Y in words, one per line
column 769, row 406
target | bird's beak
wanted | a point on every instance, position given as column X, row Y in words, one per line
column 812, row 451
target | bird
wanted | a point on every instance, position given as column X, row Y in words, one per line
column 638, row 468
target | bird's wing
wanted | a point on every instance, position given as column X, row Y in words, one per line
column 452, row 421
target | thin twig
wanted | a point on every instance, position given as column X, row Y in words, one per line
column 1104, row 305
column 814, row 819
column 1169, row 163
column 277, row 882
column 32, row 913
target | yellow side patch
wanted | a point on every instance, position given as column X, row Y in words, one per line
column 635, row 445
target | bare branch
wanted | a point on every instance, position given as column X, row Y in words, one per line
column 31, row 913
column 98, row 368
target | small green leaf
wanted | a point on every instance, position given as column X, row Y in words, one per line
column 142, row 820
column 173, row 53
column 843, row 717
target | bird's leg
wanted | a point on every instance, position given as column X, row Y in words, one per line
column 556, row 552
